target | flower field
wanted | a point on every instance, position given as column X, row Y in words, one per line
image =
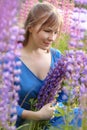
column 69, row 73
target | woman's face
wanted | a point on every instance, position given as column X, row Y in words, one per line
column 43, row 38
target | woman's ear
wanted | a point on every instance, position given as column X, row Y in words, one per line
column 30, row 29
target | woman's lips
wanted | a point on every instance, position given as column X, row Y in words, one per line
column 47, row 43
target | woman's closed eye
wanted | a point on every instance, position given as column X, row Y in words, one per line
column 50, row 31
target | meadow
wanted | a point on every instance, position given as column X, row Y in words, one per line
column 70, row 72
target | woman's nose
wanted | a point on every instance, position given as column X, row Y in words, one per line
column 52, row 37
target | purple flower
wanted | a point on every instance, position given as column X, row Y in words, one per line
column 51, row 86
column 69, row 70
column 80, row 1
column 9, row 35
column 78, row 27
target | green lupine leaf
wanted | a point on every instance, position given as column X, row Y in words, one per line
column 22, row 127
column 61, row 111
column 57, row 114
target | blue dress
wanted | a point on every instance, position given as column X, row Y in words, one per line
column 30, row 85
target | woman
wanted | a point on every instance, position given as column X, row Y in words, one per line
column 43, row 26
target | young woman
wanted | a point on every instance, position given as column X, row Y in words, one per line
column 43, row 26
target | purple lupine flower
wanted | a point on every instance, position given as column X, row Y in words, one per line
column 76, row 75
column 52, row 83
column 80, row 2
column 68, row 69
column 78, row 27
column 9, row 35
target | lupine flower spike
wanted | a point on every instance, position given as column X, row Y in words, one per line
column 9, row 35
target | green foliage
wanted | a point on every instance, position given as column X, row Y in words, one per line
column 38, row 125
column 32, row 124
column 61, row 112
column 62, row 43
column 84, row 120
column 23, row 127
column 67, row 113
column 68, row 127
column 40, row 0
column 53, row 128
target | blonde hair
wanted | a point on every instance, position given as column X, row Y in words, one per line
column 42, row 12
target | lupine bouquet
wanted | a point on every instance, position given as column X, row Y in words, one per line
column 10, row 33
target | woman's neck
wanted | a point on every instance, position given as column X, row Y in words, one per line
column 32, row 49
column 28, row 51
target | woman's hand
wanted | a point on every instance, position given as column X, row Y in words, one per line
column 46, row 112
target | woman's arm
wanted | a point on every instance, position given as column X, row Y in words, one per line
column 31, row 115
